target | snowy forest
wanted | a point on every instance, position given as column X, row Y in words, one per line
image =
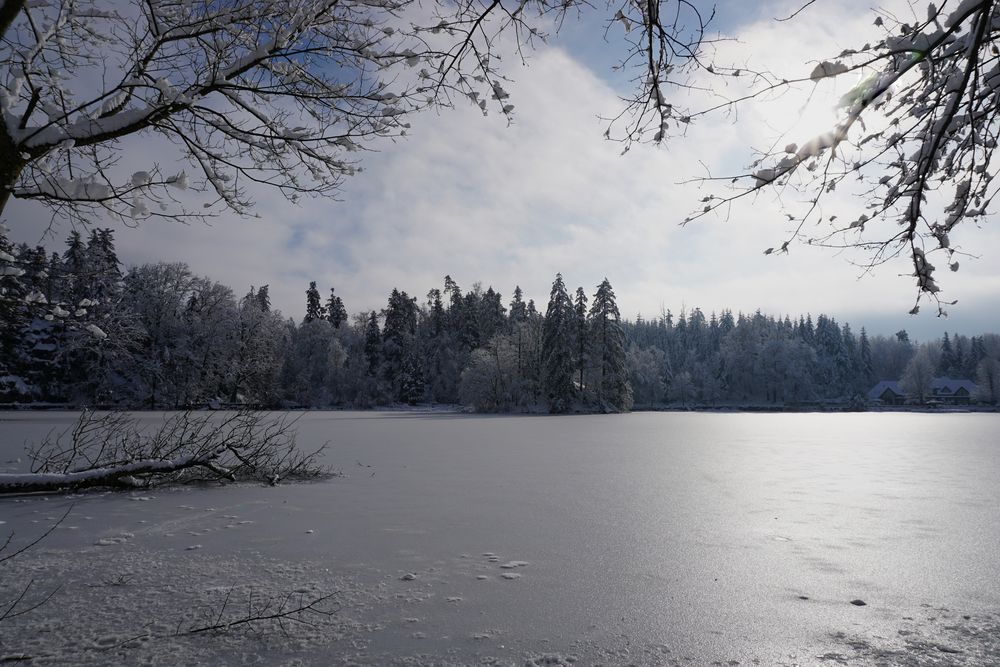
column 78, row 330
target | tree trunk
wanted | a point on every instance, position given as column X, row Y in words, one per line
column 124, row 475
column 11, row 164
column 8, row 12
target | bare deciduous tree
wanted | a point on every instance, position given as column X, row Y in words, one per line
column 258, row 92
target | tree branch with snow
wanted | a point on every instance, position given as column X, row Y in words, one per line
column 914, row 146
column 112, row 450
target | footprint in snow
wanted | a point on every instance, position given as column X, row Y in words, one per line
column 513, row 564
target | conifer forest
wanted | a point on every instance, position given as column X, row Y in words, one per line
column 78, row 329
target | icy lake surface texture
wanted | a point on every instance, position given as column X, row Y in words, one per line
column 643, row 539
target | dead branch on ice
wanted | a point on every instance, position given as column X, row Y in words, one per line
column 256, row 614
column 282, row 611
column 21, row 604
column 114, row 450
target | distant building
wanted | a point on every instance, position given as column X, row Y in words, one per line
column 887, row 392
column 944, row 391
column 949, row 391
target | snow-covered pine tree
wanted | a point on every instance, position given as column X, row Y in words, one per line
column 314, row 309
column 557, row 349
column 492, row 315
column 865, row 352
column 581, row 341
column 946, row 364
column 398, row 342
column 335, row 310
column 518, row 309
column 373, row 343
column 263, row 298
column 13, row 317
column 608, row 345
column 436, row 312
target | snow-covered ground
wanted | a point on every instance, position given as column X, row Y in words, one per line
column 647, row 539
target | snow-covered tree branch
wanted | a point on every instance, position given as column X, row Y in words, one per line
column 112, row 450
column 256, row 92
column 913, row 146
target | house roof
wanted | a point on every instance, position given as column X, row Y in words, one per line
column 880, row 389
column 951, row 386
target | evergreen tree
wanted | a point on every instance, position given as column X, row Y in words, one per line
column 865, row 351
column 400, row 365
column 263, row 298
column 335, row 310
column 557, row 349
column 960, row 367
column 13, row 317
column 437, row 314
column 492, row 315
column 580, row 339
column 613, row 389
column 518, row 309
column 314, row 309
column 469, row 330
column 102, row 282
column 373, row 343
column 456, row 310
column 74, row 268
column 946, row 364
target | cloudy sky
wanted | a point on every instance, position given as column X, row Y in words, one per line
column 481, row 200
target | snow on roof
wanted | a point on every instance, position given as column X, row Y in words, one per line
column 881, row 388
column 951, row 385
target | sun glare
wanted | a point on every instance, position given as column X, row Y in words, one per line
column 809, row 111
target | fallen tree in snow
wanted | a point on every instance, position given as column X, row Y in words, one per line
column 115, row 450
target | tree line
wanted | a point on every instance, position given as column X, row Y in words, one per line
column 77, row 329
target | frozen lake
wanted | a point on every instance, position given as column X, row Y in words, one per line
column 646, row 539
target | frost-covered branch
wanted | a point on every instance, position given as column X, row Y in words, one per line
column 281, row 94
column 113, row 450
column 914, row 145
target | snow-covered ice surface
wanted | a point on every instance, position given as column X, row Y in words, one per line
column 647, row 539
